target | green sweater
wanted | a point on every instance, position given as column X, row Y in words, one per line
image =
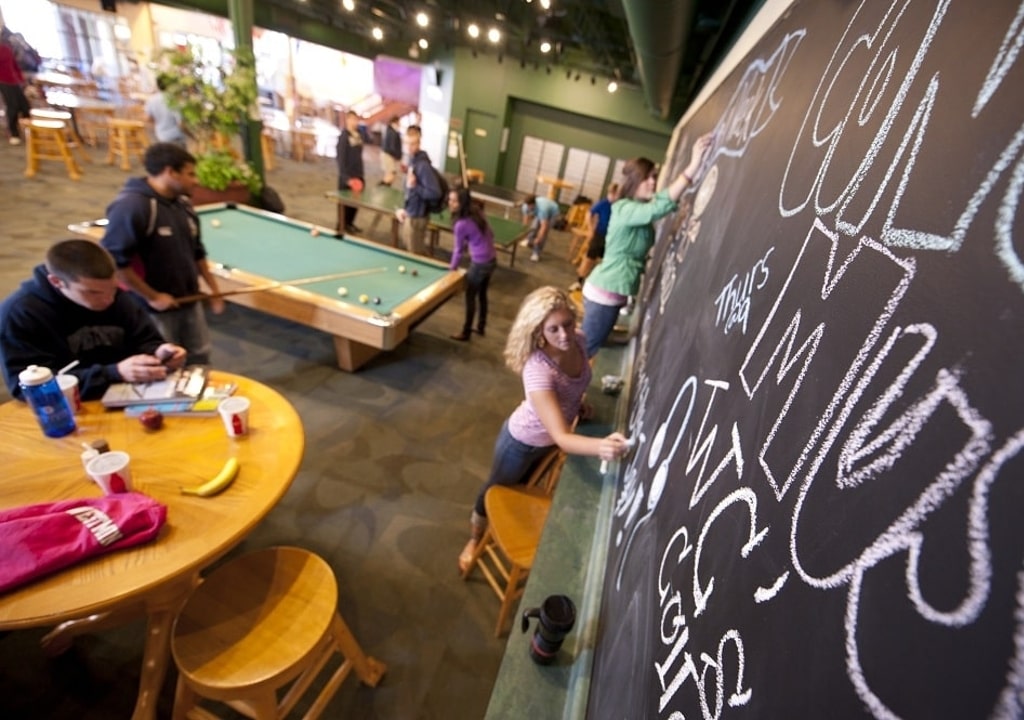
column 630, row 237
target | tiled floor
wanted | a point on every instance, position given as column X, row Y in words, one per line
column 394, row 456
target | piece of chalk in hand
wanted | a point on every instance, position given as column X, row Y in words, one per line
column 604, row 466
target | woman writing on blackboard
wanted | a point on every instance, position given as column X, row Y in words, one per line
column 630, row 237
column 547, row 351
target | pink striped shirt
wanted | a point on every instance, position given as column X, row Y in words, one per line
column 541, row 373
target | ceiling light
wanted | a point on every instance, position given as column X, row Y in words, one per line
column 378, row 34
column 494, row 35
column 613, row 86
column 545, row 47
column 349, row 5
column 423, row 43
column 422, row 20
column 546, row 4
column 473, row 30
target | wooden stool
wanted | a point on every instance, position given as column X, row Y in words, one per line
column 474, row 176
column 125, row 137
column 257, row 624
column 577, row 215
column 579, row 245
column 47, row 140
column 515, row 521
column 73, row 140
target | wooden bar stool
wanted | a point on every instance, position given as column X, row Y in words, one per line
column 70, row 136
column 47, row 140
column 125, row 138
column 260, row 623
column 515, row 521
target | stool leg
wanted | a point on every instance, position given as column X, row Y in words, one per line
column 369, row 670
column 184, row 700
column 74, row 171
column 125, row 162
column 507, row 599
column 112, row 136
column 31, row 158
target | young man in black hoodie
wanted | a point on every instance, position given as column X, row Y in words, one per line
column 421, row 188
column 71, row 309
column 153, row 234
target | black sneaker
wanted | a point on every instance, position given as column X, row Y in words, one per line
column 353, row 230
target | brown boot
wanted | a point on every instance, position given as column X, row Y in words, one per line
column 477, row 527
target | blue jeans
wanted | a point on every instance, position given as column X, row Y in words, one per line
column 477, row 279
column 598, row 323
column 512, row 464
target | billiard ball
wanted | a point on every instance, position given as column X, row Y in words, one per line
column 376, row 301
column 401, row 268
column 215, row 223
column 314, row 232
column 364, row 298
column 414, row 272
column 343, row 291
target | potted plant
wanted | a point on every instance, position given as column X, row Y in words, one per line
column 214, row 102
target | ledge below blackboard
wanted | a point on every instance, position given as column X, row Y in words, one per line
column 570, row 561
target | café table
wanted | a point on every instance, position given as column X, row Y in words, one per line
column 153, row 579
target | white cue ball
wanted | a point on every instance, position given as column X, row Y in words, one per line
column 343, row 291
column 215, row 222
column 401, row 268
column 314, row 232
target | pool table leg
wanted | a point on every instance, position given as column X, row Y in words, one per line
column 353, row 355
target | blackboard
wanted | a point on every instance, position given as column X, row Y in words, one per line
column 824, row 513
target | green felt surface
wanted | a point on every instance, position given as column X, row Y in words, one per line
column 281, row 250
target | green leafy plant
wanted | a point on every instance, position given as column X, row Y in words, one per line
column 214, row 102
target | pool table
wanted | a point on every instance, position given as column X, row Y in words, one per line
column 251, row 249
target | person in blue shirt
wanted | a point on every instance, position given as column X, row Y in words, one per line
column 543, row 211
column 597, row 226
column 421, row 188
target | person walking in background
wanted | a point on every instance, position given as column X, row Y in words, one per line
column 12, row 87
column 543, row 211
column 167, row 125
column 472, row 231
column 629, row 239
column 597, row 227
column 71, row 309
column 350, row 165
column 546, row 350
column 153, row 234
column 421, row 189
column 391, row 151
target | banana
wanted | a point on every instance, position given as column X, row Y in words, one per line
column 217, row 483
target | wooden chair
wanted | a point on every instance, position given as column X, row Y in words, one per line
column 258, row 624
column 515, row 521
column 47, row 140
column 124, row 139
column 548, row 471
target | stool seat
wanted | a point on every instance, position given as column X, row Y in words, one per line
column 257, row 624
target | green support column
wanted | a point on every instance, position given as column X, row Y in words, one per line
column 240, row 13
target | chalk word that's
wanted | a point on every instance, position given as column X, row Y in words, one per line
column 733, row 302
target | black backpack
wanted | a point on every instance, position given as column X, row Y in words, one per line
column 439, row 205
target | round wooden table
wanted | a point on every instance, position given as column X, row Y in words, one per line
column 153, row 578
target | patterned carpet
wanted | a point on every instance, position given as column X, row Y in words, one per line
column 394, row 456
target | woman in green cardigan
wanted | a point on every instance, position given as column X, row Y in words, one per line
column 630, row 237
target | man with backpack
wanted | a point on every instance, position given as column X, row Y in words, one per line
column 425, row 193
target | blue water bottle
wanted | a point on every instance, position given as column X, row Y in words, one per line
column 47, row 401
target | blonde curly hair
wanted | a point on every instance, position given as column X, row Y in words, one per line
column 526, row 333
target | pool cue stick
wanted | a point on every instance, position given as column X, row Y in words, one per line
column 275, row 285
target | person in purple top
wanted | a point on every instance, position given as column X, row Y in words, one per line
column 472, row 231
column 545, row 348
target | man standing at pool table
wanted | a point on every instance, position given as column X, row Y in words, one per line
column 421, row 188
column 153, row 234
